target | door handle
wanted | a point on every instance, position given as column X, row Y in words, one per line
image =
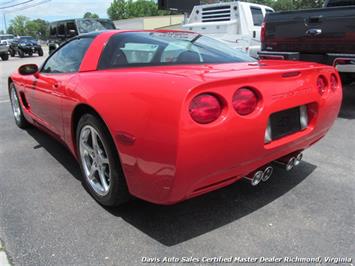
column 55, row 86
column 313, row 32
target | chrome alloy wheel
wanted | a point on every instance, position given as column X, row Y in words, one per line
column 15, row 104
column 95, row 161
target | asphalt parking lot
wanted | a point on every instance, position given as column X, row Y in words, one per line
column 47, row 218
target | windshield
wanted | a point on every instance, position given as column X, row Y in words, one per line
column 167, row 48
column 89, row 25
column 27, row 39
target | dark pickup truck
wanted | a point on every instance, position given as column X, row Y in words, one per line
column 324, row 35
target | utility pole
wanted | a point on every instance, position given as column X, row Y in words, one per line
column 5, row 26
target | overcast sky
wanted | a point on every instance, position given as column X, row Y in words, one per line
column 57, row 9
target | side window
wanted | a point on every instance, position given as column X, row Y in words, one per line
column 53, row 30
column 335, row 3
column 124, row 52
column 68, row 58
column 61, row 29
column 71, row 29
column 181, row 51
column 257, row 15
column 139, row 53
column 267, row 11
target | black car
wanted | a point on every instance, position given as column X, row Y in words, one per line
column 25, row 45
column 61, row 31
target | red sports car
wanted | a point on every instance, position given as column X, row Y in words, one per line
column 169, row 115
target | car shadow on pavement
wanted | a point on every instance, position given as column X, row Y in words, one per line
column 347, row 110
column 57, row 150
column 171, row 225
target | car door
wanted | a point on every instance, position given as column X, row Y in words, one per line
column 51, row 83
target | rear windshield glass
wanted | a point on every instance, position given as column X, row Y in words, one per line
column 89, row 25
column 167, row 48
column 257, row 16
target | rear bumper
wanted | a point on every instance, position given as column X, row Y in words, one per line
column 342, row 62
column 30, row 49
column 4, row 49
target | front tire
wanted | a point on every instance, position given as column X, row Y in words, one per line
column 21, row 53
column 20, row 119
column 101, row 169
column 5, row 57
column 12, row 53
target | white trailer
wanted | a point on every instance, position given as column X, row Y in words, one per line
column 237, row 23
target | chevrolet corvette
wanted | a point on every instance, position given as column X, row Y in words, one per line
column 169, row 115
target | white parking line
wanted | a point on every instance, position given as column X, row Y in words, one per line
column 4, row 101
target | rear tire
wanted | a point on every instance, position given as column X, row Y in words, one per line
column 100, row 166
column 5, row 57
column 20, row 119
column 40, row 52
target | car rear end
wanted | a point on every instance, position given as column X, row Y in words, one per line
column 4, row 51
column 324, row 35
column 242, row 121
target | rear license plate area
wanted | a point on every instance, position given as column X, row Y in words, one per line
column 285, row 123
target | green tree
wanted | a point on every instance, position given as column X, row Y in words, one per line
column 10, row 30
column 117, row 10
column 91, row 15
column 37, row 28
column 21, row 26
column 18, row 25
column 121, row 9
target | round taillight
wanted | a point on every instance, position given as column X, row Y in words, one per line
column 321, row 85
column 245, row 101
column 205, row 108
column 334, row 83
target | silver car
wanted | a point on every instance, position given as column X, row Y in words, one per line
column 5, row 41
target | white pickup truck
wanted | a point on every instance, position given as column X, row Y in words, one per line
column 237, row 23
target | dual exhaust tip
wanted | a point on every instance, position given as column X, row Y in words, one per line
column 290, row 162
column 263, row 175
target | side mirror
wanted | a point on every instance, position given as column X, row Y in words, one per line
column 27, row 70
